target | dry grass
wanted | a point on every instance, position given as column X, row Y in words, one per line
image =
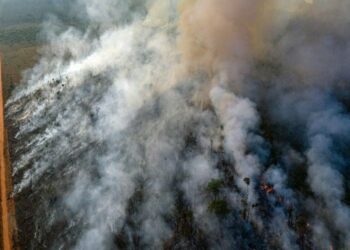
column 17, row 59
column 19, row 47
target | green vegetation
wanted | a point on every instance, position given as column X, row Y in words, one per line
column 20, row 27
column 18, row 46
column 214, row 187
column 19, row 34
column 219, row 207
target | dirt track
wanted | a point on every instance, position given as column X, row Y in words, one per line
column 7, row 202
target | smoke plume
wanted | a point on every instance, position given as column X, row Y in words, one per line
column 194, row 124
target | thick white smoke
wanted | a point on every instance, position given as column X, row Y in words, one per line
column 195, row 124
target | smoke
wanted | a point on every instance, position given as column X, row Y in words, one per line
column 239, row 119
column 186, row 124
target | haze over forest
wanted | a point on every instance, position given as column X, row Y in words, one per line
column 174, row 124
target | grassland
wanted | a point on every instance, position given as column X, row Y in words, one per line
column 19, row 46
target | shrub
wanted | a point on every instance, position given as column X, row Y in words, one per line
column 219, row 207
column 214, row 186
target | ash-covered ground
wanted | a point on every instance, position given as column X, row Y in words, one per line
column 202, row 124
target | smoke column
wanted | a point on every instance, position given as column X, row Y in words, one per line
column 201, row 124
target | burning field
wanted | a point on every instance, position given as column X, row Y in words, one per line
column 197, row 124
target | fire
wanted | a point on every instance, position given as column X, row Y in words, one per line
column 268, row 188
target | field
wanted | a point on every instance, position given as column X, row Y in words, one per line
column 19, row 46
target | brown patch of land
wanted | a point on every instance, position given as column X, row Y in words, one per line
column 17, row 58
column 19, row 46
column 19, row 51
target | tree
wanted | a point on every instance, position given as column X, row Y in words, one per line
column 214, row 187
column 219, row 207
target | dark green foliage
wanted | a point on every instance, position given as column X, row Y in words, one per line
column 219, row 207
column 214, row 186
